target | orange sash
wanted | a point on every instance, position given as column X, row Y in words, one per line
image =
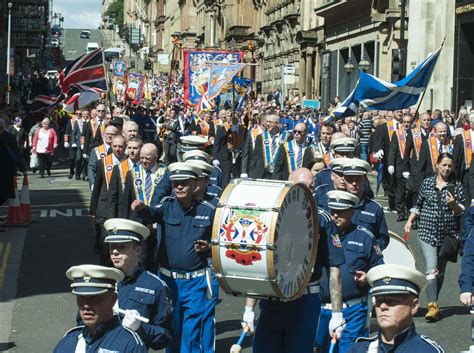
column 391, row 128
column 467, row 148
column 417, row 140
column 108, row 168
column 402, row 141
column 434, row 153
column 101, row 151
column 124, row 167
column 318, row 153
column 205, row 128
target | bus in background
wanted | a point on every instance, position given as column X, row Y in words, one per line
column 112, row 54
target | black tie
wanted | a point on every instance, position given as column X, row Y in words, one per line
column 440, row 149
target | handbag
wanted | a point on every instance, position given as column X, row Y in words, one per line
column 34, row 163
column 449, row 249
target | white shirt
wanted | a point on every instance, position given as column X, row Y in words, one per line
column 43, row 139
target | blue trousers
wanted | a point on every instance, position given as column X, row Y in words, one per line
column 189, row 302
column 208, row 334
column 355, row 317
column 287, row 327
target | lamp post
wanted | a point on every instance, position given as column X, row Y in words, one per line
column 364, row 65
column 8, row 51
column 349, row 68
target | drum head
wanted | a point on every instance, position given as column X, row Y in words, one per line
column 398, row 252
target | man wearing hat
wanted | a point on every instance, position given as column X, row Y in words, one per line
column 100, row 193
column 183, row 253
column 119, row 175
column 337, row 183
column 141, row 184
column 369, row 213
column 361, row 254
column 396, row 290
column 204, row 189
column 94, row 287
column 140, row 293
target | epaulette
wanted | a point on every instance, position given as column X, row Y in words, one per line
column 432, row 343
column 204, row 202
column 166, row 199
column 366, row 231
column 376, row 202
column 158, row 278
column 319, row 186
column 74, row 329
column 325, row 214
column 135, row 335
column 366, row 339
column 218, row 187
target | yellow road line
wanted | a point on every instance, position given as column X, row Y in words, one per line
column 3, row 269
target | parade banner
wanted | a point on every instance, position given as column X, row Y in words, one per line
column 197, row 66
column 134, row 90
column 220, row 76
column 241, row 87
column 119, row 68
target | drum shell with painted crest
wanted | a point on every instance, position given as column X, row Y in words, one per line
column 265, row 238
column 398, row 252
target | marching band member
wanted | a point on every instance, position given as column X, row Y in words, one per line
column 397, row 164
column 466, row 277
column 99, row 197
column 396, row 290
column 94, row 288
column 267, row 148
column 361, row 254
column 140, row 293
column 183, row 253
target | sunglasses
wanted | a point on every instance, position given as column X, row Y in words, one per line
column 298, row 132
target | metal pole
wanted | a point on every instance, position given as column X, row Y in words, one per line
column 8, row 52
column 402, row 38
column 282, row 85
column 233, row 99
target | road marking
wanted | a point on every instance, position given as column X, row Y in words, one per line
column 5, row 249
column 69, row 212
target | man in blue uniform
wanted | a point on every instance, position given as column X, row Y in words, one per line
column 396, row 290
column 337, row 183
column 290, row 327
column 94, row 287
column 369, row 214
column 361, row 254
column 466, row 278
column 183, row 253
column 140, row 293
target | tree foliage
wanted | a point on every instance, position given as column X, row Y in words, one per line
column 115, row 10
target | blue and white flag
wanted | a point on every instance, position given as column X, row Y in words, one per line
column 373, row 93
column 220, row 76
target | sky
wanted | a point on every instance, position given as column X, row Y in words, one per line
column 79, row 13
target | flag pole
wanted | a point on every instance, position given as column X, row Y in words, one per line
column 168, row 94
column 106, row 82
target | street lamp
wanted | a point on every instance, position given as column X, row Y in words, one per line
column 364, row 65
column 8, row 51
column 349, row 68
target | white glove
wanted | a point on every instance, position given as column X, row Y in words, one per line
column 130, row 320
column 66, row 144
column 74, row 145
column 115, row 308
column 391, row 169
column 249, row 318
column 379, row 154
column 406, row 175
column 82, row 147
column 244, row 175
column 215, row 163
column 336, row 324
column 84, row 156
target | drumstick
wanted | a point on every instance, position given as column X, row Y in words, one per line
column 332, row 347
column 406, row 236
column 138, row 317
column 236, row 348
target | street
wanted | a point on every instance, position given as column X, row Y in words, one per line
column 37, row 308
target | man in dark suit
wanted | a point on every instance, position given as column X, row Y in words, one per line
column 248, row 149
column 228, row 146
column 292, row 153
column 397, row 165
column 267, row 148
column 93, row 130
column 99, row 197
column 462, row 154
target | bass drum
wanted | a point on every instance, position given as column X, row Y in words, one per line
column 398, row 252
column 265, row 238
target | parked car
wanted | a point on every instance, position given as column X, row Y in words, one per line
column 91, row 46
column 85, row 34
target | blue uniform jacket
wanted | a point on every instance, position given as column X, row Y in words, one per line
column 321, row 197
column 361, row 254
column 216, row 177
column 150, row 296
column 409, row 341
column 110, row 336
column 180, row 230
column 330, row 254
column 369, row 214
column 324, row 177
column 466, row 278
column 468, row 223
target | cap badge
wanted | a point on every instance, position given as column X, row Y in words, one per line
column 114, row 230
column 337, row 198
column 386, row 280
column 86, row 279
column 177, row 171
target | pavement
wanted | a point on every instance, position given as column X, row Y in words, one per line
column 36, row 307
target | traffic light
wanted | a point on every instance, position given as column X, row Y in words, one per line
column 397, row 70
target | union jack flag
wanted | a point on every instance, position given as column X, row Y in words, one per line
column 84, row 73
column 44, row 101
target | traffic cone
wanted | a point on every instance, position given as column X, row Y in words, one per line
column 14, row 217
column 25, row 201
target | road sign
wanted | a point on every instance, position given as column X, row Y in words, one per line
column 311, row 103
column 135, row 38
column 289, row 72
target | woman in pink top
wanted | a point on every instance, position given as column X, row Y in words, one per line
column 45, row 143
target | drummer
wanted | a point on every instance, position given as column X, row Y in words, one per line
column 369, row 213
column 337, row 183
column 361, row 254
column 291, row 326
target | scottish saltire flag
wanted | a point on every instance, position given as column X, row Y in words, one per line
column 84, row 73
column 48, row 100
column 375, row 94
column 220, row 76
